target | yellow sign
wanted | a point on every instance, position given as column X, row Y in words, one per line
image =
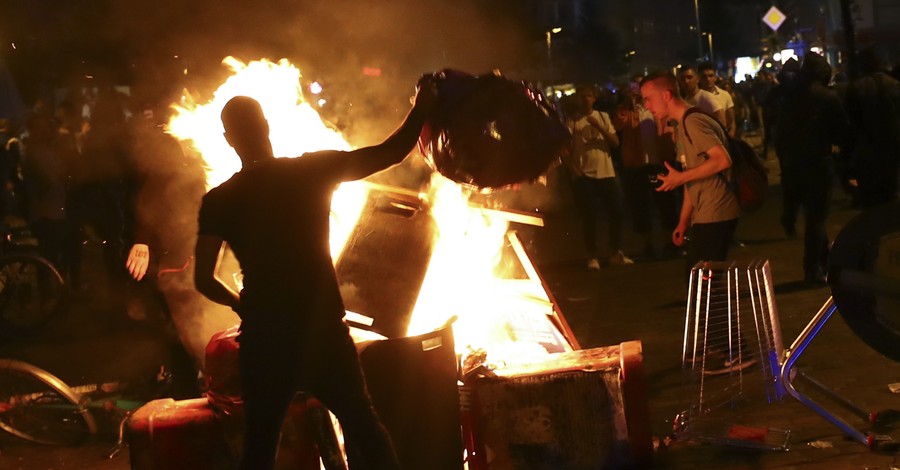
column 774, row 18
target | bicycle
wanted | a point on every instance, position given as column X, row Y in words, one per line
column 31, row 288
column 39, row 407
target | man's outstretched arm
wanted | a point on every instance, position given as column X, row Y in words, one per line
column 368, row 160
column 208, row 254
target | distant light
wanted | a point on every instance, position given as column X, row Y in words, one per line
column 817, row 50
column 322, row 102
column 745, row 66
column 315, row 88
column 13, row 45
column 768, row 65
column 776, row 57
column 185, row 71
column 89, row 77
column 787, row 54
column 371, row 71
column 556, row 30
column 175, row 56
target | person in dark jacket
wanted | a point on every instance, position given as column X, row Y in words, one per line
column 810, row 123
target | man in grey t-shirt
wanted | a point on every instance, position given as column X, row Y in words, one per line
column 710, row 207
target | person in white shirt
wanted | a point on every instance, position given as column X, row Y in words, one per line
column 595, row 183
column 708, row 80
column 689, row 83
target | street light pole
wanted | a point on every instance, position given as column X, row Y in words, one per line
column 697, row 19
column 711, row 56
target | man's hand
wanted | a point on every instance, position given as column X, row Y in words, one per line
column 678, row 234
column 671, row 180
column 592, row 120
column 138, row 261
column 426, row 98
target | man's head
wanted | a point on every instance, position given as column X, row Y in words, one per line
column 689, row 80
column 586, row 96
column 659, row 90
column 707, row 76
column 246, row 129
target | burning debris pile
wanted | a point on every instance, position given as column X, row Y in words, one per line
column 458, row 246
column 441, row 282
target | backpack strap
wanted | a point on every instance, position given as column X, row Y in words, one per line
column 694, row 109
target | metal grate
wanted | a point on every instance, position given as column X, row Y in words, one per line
column 732, row 353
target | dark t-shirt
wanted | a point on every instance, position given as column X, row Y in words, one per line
column 275, row 217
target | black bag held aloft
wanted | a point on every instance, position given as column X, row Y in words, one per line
column 491, row 132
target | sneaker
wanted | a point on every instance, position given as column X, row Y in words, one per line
column 731, row 366
column 620, row 259
column 593, row 264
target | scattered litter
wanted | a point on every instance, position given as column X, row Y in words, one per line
column 747, row 433
column 894, row 387
column 820, row 444
column 661, row 445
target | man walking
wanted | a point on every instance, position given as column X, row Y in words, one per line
column 709, row 207
column 689, row 80
column 708, row 80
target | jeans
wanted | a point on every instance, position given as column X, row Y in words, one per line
column 592, row 194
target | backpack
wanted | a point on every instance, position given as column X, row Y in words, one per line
column 751, row 180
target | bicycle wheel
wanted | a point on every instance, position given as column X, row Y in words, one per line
column 37, row 406
column 31, row 291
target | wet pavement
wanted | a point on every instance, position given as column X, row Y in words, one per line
column 644, row 301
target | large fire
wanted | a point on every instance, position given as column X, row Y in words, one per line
column 505, row 317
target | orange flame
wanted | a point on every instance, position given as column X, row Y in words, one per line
column 295, row 128
column 461, row 280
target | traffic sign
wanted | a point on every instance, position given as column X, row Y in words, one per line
column 774, row 18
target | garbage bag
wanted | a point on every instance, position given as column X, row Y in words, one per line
column 491, row 132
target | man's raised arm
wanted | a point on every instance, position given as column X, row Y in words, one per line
column 368, row 160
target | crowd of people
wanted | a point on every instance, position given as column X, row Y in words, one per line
column 102, row 171
column 825, row 130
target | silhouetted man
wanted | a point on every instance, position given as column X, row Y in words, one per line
column 274, row 216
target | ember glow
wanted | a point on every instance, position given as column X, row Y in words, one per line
column 506, row 317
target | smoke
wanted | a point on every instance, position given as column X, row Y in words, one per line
column 367, row 55
column 331, row 42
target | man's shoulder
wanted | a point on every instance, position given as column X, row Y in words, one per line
column 698, row 116
column 724, row 95
column 708, row 101
column 698, row 122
